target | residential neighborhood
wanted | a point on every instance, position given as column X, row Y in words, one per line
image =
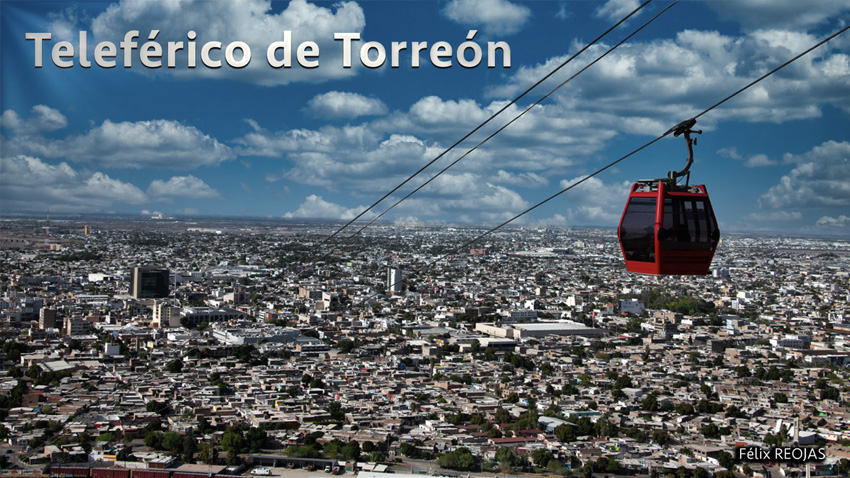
column 246, row 346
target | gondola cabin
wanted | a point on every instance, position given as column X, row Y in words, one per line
column 668, row 229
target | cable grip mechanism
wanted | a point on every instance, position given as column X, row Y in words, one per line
column 685, row 128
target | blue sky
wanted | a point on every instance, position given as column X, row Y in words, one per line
column 326, row 142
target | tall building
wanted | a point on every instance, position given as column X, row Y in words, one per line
column 47, row 319
column 76, row 326
column 395, row 277
column 165, row 315
column 149, row 283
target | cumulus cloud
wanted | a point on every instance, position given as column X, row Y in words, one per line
column 339, row 158
column 251, row 21
column 134, row 145
column 528, row 180
column 646, row 87
column 314, row 207
column 42, row 119
column 29, row 184
column 614, row 10
column 752, row 161
column 563, row 13
column 340, row 104
column 819, row 179
column 594, row 202
column 840, row 222
column 495, row 17
column 791, row 14
column 181, row 187
column 759, row 160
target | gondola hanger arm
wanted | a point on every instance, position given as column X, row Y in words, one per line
column 685, row 127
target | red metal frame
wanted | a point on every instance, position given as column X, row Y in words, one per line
column 667, row 261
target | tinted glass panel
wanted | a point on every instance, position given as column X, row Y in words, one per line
column 637, row 230
column 688, row 224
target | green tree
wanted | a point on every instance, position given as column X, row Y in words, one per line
column 345, row 346
column 710, row 431
column 726, row 459
column 153, row 440
column 377, row 456
column 204, row 426
column 460, row 460
column 565, row 433
column 13, row 350
column 541, row 457
column 190, row 447
column 350, row 451
column 209, row 454
column 502, row 416
column 244, row 352
column 650, row 403
column 623, row 381
column 743, row 371
column 154, row 406
column 255, row 439
column 233, row 440
column 174, row 366
column 333, row 448
column 661, row 437
column 508, row 459
column 334, row 408
column 33, row 371
column 172, row 441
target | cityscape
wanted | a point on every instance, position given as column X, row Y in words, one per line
column 181, row 295
column 181, row 348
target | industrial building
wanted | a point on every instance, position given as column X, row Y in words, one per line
column 537, row 330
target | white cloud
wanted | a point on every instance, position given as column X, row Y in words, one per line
column 187, row 211
column 29, row 184
column 614, row 10
column 314, row 207
column 143, row 144
column 488, row 202
column 528, row 180
column 759, row 160
column 339, row 158
column 774, row 216
column 818, row 180
column 328, row 139
column 646, row 87
column 752, row 161
column 251, row 21
column 407, row 221
column 43, row 118
column 181, row 187
column 840, row 222
column 791, row 14
column 495, row 17
column 340, row 104
column 563, row 13
column 594, row 202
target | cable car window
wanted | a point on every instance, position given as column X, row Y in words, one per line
column 688, row 225
column 637, row 230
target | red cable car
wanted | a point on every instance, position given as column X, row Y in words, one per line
column 668, row 228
